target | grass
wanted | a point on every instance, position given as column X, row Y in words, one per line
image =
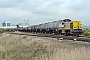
column 16, row 47
column 86, row 32
column 2, row 30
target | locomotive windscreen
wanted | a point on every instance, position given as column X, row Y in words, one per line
column 66, row 20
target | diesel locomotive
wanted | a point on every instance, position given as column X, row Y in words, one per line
column 63, row 27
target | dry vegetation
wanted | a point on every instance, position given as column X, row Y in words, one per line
column 17, row 47
column 2, row 30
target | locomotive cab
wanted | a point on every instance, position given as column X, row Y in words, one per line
column 77, row 28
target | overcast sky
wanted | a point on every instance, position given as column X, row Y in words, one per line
column 41, row 11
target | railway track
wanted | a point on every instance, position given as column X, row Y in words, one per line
column 59, row 37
